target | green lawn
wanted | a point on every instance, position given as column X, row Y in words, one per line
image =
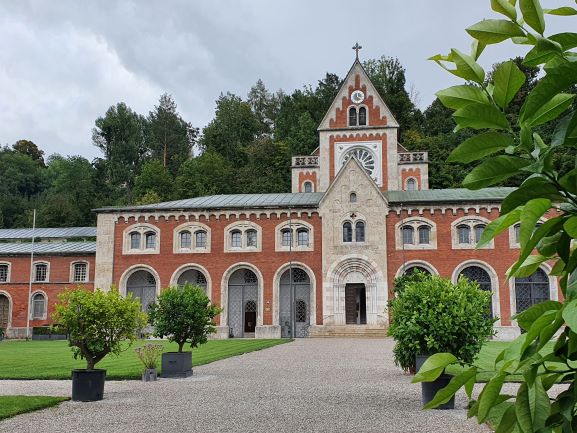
column 53, row 359
column 15, row 405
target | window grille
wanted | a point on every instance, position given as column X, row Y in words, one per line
column 150, row 240
column 80, row 273
column 303, row 237
column 185, row 240
column 134, row 241
column 235, row 239
column 40, row 272
column 408, row 235
column 286, row 237
column 200, row 239
column 3, row 273
column 424, row 235
column 38, row 306
column 464, row 233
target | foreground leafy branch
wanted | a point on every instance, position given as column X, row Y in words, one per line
column 509, row 149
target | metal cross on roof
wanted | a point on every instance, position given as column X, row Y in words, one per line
column 357, row 47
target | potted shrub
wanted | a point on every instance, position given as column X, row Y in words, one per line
column 433, row 315
column 97, row 323
column 183, row 315
column 148, row 355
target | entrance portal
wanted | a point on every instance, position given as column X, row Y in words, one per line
column 294, row 303
column 355, row 304
column 4, row 312
column 242, row 303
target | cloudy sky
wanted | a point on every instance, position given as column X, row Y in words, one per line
column 63, row 63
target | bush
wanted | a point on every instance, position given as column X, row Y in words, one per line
column 412, row 276
column 184, row 315
column 98, row 322
column 433, row 315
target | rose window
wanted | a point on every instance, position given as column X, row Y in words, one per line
column 365, row 157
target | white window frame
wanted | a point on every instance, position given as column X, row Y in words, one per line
column 411, row 178
column 415, row 222
column 141, row 228
column 45, row 315
column 192, row 227
column 8, row 270
column 470, row 221
column 243, row 227
column 34, row 265
column 73, row 267
column 353, row 223
column 295, row 226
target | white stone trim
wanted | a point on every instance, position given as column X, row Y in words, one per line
column 10, row 309
column 412, row 263
column 31, row 307
column 295, row 226
column 192, row 227
column 374, row 147
column 224, row 291
column 243, row 226
column 415, row 222
column 73, row 265
column 8, row 272
column 193, row 266
column 135, row 268
column 141, row 228
column 33, row 276
column 471, row 221
column 105, row 242
column 276, row 291
column 495, row 292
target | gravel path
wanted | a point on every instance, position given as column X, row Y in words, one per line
column 309, row 385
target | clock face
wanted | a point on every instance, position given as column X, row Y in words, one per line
column 357, row 96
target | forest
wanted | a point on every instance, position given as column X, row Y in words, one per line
column 246, row 148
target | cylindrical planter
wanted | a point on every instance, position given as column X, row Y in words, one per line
column 176, row 364
column 88, row 385
column 149, row 375
column 429, row 389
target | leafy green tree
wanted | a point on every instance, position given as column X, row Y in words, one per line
column 98, row 323
column 207, row 174
column 120, row 136
column 168, row 136
column 522, row 149
column 154, row 179
column 30, row 148
column 265, row 105
column 183, row 315
column 267, row 168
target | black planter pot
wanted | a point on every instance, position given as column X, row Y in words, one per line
column 176, row 364
column 88, row 385
column 429, row 389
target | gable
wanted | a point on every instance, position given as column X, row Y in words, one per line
column 378, row 113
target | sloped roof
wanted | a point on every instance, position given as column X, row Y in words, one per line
column 49, row 233
column 40, row 248
column 231, row 201
column 455, row 195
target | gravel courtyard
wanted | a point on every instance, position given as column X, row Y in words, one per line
column 309, row 385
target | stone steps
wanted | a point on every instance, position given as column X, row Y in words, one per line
column 348, row 331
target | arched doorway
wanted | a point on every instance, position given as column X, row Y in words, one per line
column 242, row 303
column 142, row 285
column 194, row 277
column 531, row 290
column 294, row 312
column 482, row 277
column 4, row 312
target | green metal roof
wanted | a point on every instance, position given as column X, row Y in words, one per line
column 40, row 248
column 49, row 233
column 232, row 201
column 455, row 195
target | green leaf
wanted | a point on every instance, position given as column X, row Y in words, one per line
column 480, row 146
column 530, row 216
column 460, row 96
column 494, row 170
column 530, row 265
column 570, row 226
column 566, row 40
column 505, row 8
column 494, row 31
column 566, row 131
column 497, row 226
column 467, row 67
column 533, row 14
column 570, row 314
column 555, row 81
column 569, row 181
column 543, row 51
column 508, row 421
column 445, row 394
column 526, row 318
column 489, row 396
column 563, row 11
column 433, row 367
column 534, row 187
column 508, row 79
column 480, row 116
column 476, row 49
column 550, row 110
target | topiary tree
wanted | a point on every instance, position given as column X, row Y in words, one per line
column 98, row 322
column 412, row 276
column 432, row 315
column 184, row 315
column 481, row 104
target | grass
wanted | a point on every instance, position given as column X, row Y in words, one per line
column 53, row 359
column 15, row 405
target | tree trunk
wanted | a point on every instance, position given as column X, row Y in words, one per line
column 180, row 346
column 89, row 363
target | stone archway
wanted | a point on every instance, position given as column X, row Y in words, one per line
column 294, row 303
column 142, row 285
column 243, row 303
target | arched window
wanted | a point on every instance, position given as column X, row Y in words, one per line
column 80, row 272
column 531, row 290
column 360, row 231
column 411, row 184
column 135, row 241
column 200, row 239
column 40, row 272
column 251, row 238
column 464, row 233
column 150, row 240
column 308, row 187
column 362, row 116
column 408, row 235
column 479, row 228
column 286, row 237
column 424, row 234
column 347, row 232
column 353, row 197
column 235, row 239
column 352, row 116
column 480, row 275
column 303, row 237
column 415, row 268
column 38, row 306
column 185, row 239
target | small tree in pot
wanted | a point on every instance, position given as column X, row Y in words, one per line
column 183, row 315
column 433, row 315
column 97, row 323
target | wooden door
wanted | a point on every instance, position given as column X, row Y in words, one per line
column 4, row 312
